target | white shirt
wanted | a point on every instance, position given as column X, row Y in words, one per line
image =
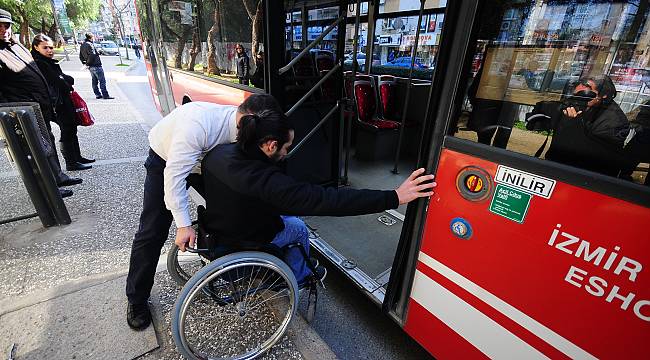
column 182, row 138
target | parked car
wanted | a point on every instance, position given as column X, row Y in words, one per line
column 405, row 61
column 107, row 48
column 361, row 60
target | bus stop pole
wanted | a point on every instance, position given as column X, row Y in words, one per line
column 49, row 186
column 11, row 131
column 414, row 53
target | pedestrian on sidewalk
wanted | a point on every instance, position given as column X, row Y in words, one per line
column 243, row 65
column 60, row 86
column 136, row 48
column 22, row 81
column 178, row 143
column 90, row 57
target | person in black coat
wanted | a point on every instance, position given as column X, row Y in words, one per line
column 243, row 65
column 250, row 199
column 22, row 81
column 60, row 86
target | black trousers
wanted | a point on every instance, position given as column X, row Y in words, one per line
column 153, row 231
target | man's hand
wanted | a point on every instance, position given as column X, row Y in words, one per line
column 185, row 235
column 571, row 112
column 415, row 186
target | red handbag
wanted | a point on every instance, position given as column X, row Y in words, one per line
column 84, row 118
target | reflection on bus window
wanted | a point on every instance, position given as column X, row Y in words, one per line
column 394, row 40
column 565, row 81
column 203, row 36
column 389, row 6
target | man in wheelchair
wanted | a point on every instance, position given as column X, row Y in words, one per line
column 249, row 198
column 178, row 142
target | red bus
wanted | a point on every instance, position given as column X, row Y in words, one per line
column 534, row 245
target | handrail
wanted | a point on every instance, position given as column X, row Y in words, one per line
column 311, row 133
column 311, row 91
column 286, row 68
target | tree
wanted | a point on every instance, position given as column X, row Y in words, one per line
column 214, row 35
column 257, row 18
column 37, row 15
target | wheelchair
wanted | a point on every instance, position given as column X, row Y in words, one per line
column 237, row 300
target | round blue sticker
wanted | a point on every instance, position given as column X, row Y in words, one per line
column 461, row 228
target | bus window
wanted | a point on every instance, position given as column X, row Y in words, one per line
column 563, row 81
column 394, row 39
column 202, row 37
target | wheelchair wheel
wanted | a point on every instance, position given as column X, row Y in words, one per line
column 181, row 266
column 236, row 307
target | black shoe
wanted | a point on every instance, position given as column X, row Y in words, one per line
column 76, row 166
column 98, row 96
column 108, row 97
column 70, row 181
column 65, row 193
column 83, row 160
column 138, row 316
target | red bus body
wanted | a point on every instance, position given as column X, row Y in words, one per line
column 569, row 282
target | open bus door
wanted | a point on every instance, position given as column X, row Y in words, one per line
column 516, row 256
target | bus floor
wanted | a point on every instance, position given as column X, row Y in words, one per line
column 370, row 241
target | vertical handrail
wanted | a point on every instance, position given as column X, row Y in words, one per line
column 305, row 51
column 407, row 97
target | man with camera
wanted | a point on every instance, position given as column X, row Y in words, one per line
column 589, row 128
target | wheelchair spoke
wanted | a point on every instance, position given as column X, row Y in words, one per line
column 278, row 295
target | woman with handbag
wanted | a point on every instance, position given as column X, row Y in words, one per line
column 60, row 86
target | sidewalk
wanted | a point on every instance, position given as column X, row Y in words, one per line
column 62, row 294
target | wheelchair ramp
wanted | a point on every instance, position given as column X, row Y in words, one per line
column 89, row 323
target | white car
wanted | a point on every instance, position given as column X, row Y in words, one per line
column 107, row 48
column 361, row 60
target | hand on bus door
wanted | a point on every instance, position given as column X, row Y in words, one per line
column 185, row 235
column 415, row 186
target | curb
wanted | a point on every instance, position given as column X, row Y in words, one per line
column 309, row 344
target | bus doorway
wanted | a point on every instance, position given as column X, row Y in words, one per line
column 364, row 144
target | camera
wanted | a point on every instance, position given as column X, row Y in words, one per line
column 578, row 100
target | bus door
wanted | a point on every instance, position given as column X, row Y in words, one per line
column 154, row 58
column 536, row 243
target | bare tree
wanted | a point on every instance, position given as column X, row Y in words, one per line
column 255, row 12
column 214, row 35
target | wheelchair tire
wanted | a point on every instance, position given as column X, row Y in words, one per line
column 231, row 290
column 181, row 271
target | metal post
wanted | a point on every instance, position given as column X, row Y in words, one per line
column 46, row 178
column 414, row 53
column 12, row 132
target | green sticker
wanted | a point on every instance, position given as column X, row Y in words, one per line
column 510, row 203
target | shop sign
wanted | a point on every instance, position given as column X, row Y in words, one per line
column 425, row 39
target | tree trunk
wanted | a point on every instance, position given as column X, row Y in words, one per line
column 196, row 48
column 182, row 40
column 213, row 36
column 24, row 33
column 258, row 30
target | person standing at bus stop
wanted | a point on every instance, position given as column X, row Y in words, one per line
column 60, row 87
column 90, row 57
column 177, row 145
column 22, row 81
column 243, row 65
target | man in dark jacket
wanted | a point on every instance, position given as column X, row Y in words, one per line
column 89, row 57
column 22, row 81
column 248, row 197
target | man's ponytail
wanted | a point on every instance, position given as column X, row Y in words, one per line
column 256, row 129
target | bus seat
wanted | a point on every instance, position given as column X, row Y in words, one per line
column 387, row 88
column 325, row 63
column 376, row 137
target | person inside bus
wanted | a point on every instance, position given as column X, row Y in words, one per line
column 177, row 144
column 243, row 65
column 589, row 128
column 249, row 198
